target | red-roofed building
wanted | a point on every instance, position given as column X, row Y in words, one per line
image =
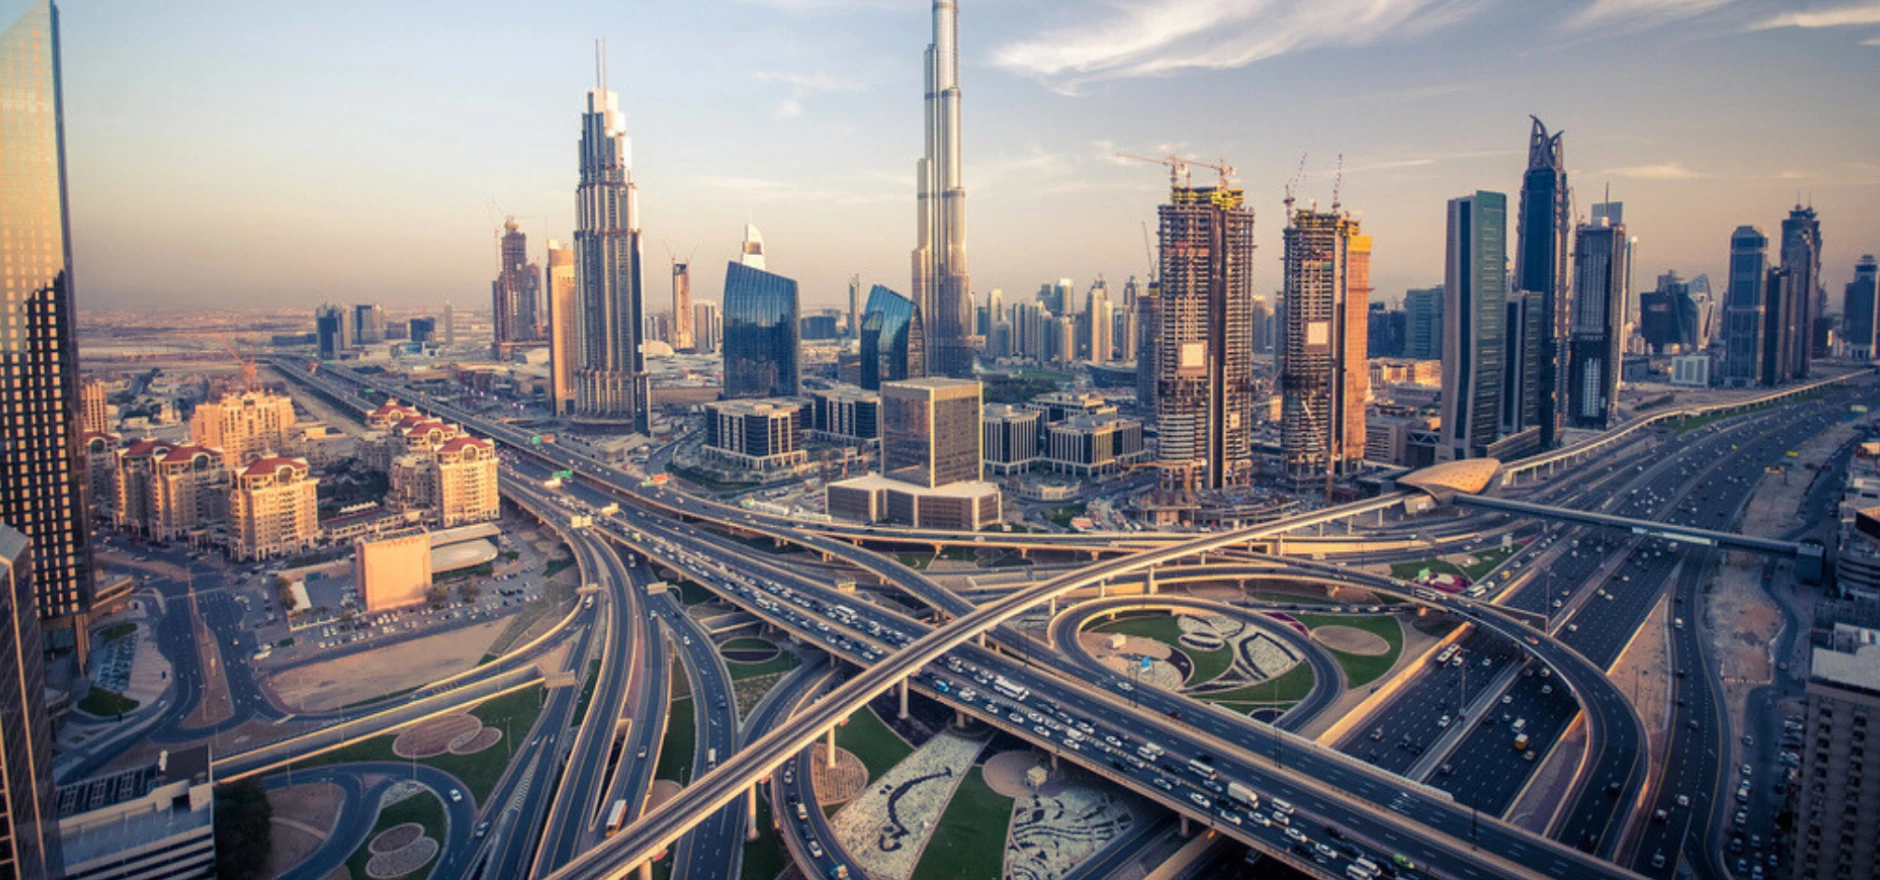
column 274, row 509
column 388, row 414
column 453, row 482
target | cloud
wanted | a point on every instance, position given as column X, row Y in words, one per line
column 802, row 85
column 1667, row 171
column 1640, row 13
column 1138, row 38
column 821, row 7
column 789, row 108
column 1873, row 42
column 1843, row 16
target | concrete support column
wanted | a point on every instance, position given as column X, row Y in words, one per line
column 1184, row 824
column 750, row 814
column 1053, row 606
column 1148, row 582
column 832, row 747
column 959, row 718
column 904, row 699
column 1103, row 588
column 646, row 871
column 1054, row 762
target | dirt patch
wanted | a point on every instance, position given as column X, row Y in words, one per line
column 396, row 837
column 662, row 791
column 331, row 684
column 299, row 811
column 477, row 742
column 1005, row 774
column 434, row 736
column 1351, row 640
column 1640, row 674
column 841, row 783
column 403, row 861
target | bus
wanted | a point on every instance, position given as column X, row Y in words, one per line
column 1446, row 654
column 616, row 817
column 843, row 614
column 1202, row 769
column 1009, row 690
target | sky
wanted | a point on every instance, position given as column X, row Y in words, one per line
column 228, row 153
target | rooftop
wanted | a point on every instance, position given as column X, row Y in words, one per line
column 1852, row 659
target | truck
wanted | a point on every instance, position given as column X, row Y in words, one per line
column 839, row 872
column 552, row 483
column 1520, row 742
column 616, row 817
column 1243, row 795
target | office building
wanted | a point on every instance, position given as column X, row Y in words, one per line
column 855, row 306
column 39, row 373
column 1204, row 366
column 823, row 324
column 1837, row 803
column 1540, row 267
column 1858, row 309
column 1010, row 437
column 611, row 382
column 1475, row 292
column 1092, row 445
column 1691, row 370
column 423, row 331
column 392, row 572
column 368, row 327
column 682, row 317
column 273, row 509
column 28, row 831
column 1423, row 319
column 1148, row 348
column 1801, row 265
column 1744, row 306
column 846, row 413
column 93, row 411
column 1668, row 318
column 930, row 431
column 1595, row 340
column 757, row 435
column 564, row 327
column 245, row 426
column 154, row 822
column 1323, row 379
column 332, row 332
column 515, row 293
column 1389, row 328
column 450, row 325
column 762, row 348
column 894, row 339
column 1100, row 319
column 942, row 287
column 708, row 327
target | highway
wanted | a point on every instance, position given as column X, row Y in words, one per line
column 715, row 847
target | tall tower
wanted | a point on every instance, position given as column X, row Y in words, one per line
column 1204, row 364
column 682, row 318
column 855, row 306
column 564, row 327
column 611, row 380
column 1801, row 259
column 1475, row 289
column 1859, row 304
column 1540, row 267
column 751, row 252
column 1325, row 375
column 45, row 487
column 942, row 288
column 514, row 292
column 1743, row 308
column 1594, row 348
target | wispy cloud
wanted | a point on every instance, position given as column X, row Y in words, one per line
column 1138, row 38
column 1640, row 13
column 1841, row 16
column 1873, row 42
column 802, row 85
column 1667, row 171
column 756, row 189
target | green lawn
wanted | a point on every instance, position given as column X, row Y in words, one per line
column 915, row 561
column 1361, row 670
column 1163, row 628
column 783, row 662
column 106, row 704
column 556, row 566
column 764, row 858
column 423, row 808
column 675, row 751
column 969, row 842
column 1485, row 561
column 478, row 772
column 1290, row 686
column 587, row 691
column 681, row 683
column 870, row 740
column 746, row 643
column 1062, row 516
column 694, row 593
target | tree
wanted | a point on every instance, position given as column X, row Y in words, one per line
column 437, row 594
column 284, row 592
column 242, row 816
column 469, row 590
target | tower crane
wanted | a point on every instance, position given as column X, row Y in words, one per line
column 251, row 378
column 1292, row 184
column 1179, row 169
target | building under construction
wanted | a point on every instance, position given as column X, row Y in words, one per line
column 1323, row 380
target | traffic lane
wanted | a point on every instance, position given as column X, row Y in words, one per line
column 1398, row 733
column 714, row 846
column 1485, row 770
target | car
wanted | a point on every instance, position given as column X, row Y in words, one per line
column 456, row 797
column 1444, row 721
column 483, row 828
column 1506, row 699
column 1684, row 800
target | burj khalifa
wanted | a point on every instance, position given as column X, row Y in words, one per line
column 942, row 287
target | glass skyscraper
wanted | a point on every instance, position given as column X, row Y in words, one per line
column 1475, row 284
column 44, row 483
column 1743, row 308
column 610, row 377
column 761, row 345
column 894, row 339
column 29, row 825
column 1599, row 271
column 1540, row 267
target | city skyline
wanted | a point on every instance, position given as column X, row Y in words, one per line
column 830, row 181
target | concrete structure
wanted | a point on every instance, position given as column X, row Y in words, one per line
column 100, row 453
column 1837, row 805
column 963, row 506
column 392, row 572
column 611, row 382
column 846, row 413
column 92, row 409
column 942, row 287
column 564, row 327
column 245, row 426
column 1540, row 267
column 1010, row 437
column 1860, row 311
column 368, row 324
column 44, row 495
column 1595, row 337
column 515, row 293
column 708, row 327
column 1691, row 370
column 27, row 832
column 1403, row 439
column 930, row 431
column 156, row 822
column 1204, row 369
column 1744, row 306
column 758, row 435
column 1392, row 371
column 1323, row 380
column 1474, row 292
column 466, row 481
column 1093, row 445
column 332, row 331
column 273, row 509
column 683, row 320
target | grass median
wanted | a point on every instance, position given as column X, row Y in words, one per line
column 1362, row 669
column 423, row 808
column 969, row 842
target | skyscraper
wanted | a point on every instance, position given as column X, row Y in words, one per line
column 368, row 324
column 450, row 325
column 942, row 287
column 751, row 252
column 29, row 823
column 1324, row 374
column 45, row 485
column 855, row 306
column 1148, row 340
column 894, row 339
column 708, row 327
column 682, row 317
column 761, row 342
column 1423, row 310
column 930, row 431
column 1744, row 305
column 1858, row 307
column 611, row 380
column 514, row 293
column 1475, row 289
column 564, row 327
column 1594, row 343
column 1204, row 370
column 330, row 331
column 1540, row 266
column 1801, row 260
column 1098, row 317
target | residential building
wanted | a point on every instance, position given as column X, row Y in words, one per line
column 1859, row 304
column 1744, row 306
column 1595, row 338
column 564, row 327
column 245, row 426
column 1010, row 437
column 1475, row 291
column 1540, row 267
column 1837, row 803
column 845, row 412
column 1093, row 445
column 155, row 822
column 188, row 492
column 92, row 410
column 273, row 509
column 611, row 382
column 894, row 339
column 515, row 293
column 28, row 830
column 44, row 495
column 708, row 327
column 1323, row 379
column 683, row 320
column 1423, row 317
column 757, row 435
column 466, row 481
column 942, row 286
column 100, row 451
column 1204, row 366
column 762, row 348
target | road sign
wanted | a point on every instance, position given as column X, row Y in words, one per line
column 563, row 475
column 535, row 440
column 1146, row 664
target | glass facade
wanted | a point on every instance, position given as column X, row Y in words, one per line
column 1476, row 291
column 29, row 831
column 930, row 431
column 894, row 339
column 761, row 345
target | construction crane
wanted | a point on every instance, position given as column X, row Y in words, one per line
column 1292, row 185
column 1338, row 182
column 1179, row 169
column 251, row 378
column 1149, row 253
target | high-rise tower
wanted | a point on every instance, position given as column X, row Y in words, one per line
column 44, row 482
column 682, row 317
column 1204, row 362
column 1861, row 308
column 751, row 252
column 1594, row 348
column 1540, row 267
column 1801, row 259
column 1743, row 308
column 942, row 288
column 611, row 381
column 564, row 328
column 1325, row 376
column 1475, row 290
column 514, row 293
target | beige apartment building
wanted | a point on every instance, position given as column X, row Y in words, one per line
column 1837, row 827
column 466, row 482
column 93, row 412
column 392, row 572
column 273, row 509
column 245, row 426
column 188, row 493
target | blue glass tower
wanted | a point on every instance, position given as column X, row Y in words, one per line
column 761, row 344
column 1540, row 267
column 1475, row 283
column 894, row 339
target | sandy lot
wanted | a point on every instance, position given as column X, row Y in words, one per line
column 841, row 783
column 1640, row 674
column 331, row 684
column 297, row 809
column 1351, row 640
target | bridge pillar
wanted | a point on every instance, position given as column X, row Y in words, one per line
column 646, row 869
column 1184, row 824
column 750, row 814
column 1148, row 581
column 1103, row 588
column 904, row 699
column 1054, row 762
column 1093, row 556
column 1053, row 612
column 1023, row 552
column 959, row 718
column 832, row 747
